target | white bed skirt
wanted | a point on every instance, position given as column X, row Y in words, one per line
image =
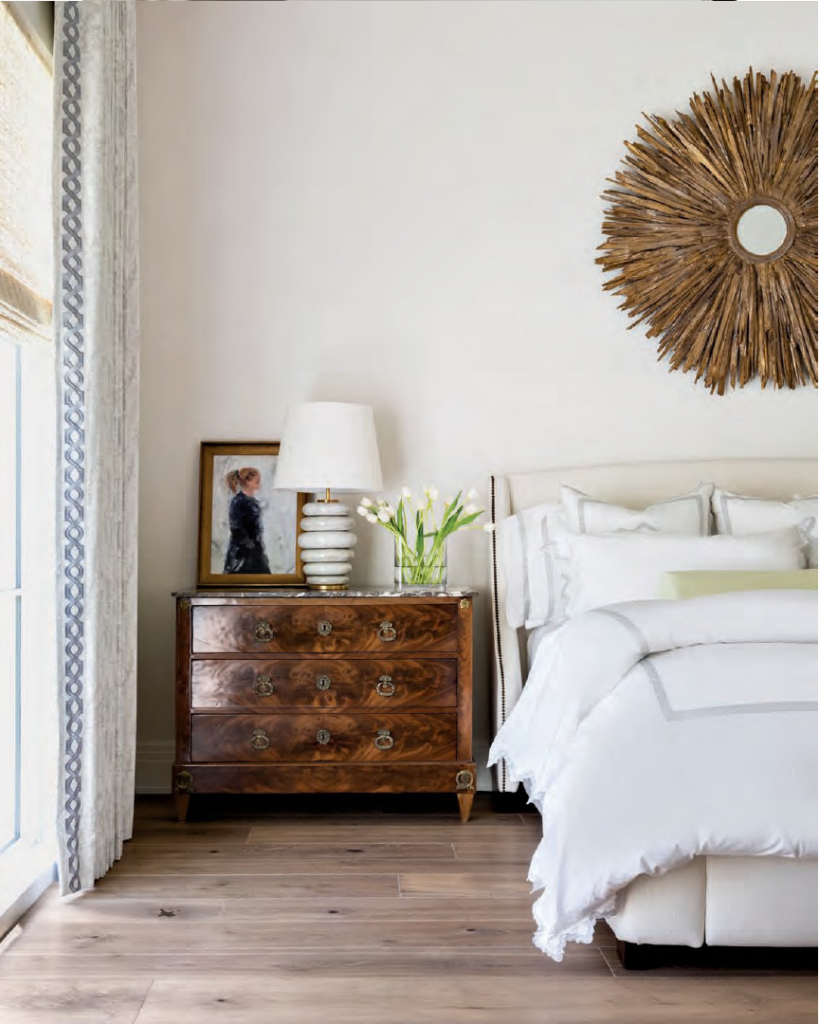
column 723, row 901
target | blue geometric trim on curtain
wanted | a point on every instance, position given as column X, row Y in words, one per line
column 71, row 341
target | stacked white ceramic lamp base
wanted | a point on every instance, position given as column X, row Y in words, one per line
column 327, row 544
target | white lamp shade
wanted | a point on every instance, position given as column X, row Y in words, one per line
column 329, row 444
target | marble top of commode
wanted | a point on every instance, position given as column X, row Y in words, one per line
column 325, row 595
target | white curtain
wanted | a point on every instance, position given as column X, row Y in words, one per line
column 97, row 332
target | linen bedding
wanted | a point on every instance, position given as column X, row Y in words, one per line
column 653, row 732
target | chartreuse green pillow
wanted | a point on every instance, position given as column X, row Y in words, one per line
column 697, row 583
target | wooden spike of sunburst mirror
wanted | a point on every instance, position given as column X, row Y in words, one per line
column 712, row 228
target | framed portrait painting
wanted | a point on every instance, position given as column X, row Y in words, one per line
column 247, row 530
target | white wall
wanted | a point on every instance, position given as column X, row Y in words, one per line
column 398, row 203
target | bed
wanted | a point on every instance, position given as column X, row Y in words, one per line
column 709, row 900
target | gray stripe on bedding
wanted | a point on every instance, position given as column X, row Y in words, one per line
column 671, row 714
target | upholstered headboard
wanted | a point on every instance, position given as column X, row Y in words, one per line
column 636, row 485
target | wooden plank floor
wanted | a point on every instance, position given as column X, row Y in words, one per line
column 299, row 912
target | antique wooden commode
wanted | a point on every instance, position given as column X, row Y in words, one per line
column 298, row 691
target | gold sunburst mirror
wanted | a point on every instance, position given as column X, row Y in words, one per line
column 711, row 231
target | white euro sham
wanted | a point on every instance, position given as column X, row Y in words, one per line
column 741, row 514
column 684, row 513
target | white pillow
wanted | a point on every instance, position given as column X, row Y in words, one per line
column 535, row 587
column 533, row 545
column 627, row 567
column 741, row 514
column 684, row 513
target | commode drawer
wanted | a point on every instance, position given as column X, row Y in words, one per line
column 332, row 737
column 313, row 683
column 324, row 629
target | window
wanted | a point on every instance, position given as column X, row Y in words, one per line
column 28, row 662
column 9, row 591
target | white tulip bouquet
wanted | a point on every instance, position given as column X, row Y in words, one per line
column 420, row 534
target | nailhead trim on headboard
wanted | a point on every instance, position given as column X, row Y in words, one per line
column 496, row 614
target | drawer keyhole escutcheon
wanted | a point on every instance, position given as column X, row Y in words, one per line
column 323, row 683
column 263, row 687
column 387, row 632
column 385, row 687
column 323, row 737
column 264, row 632
column 259, row 740
column 324, row 627
column 384, row 740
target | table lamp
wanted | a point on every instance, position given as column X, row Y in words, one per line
column 328, row 446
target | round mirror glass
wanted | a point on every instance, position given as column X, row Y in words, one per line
column 761, row 230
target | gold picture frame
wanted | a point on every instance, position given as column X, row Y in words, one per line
column 673, row 237
column 245, row 526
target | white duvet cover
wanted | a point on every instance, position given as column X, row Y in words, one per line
column 653, row 732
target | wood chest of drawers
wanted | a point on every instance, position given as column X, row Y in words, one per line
column 301, row 692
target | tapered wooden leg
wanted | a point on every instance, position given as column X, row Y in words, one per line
column 182, row 801
column 465, row 803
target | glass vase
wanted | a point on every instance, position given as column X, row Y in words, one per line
column 420, row 570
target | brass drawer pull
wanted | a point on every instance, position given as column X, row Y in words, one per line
column 323, row 683
column 385, row 687
column 264, row 632
column 384, row 740
column 263, row 687
column 325, row 628
column 387, row 632
column 259, row 740
column 323, row 737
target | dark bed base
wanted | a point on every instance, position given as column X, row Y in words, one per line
column 636, row 957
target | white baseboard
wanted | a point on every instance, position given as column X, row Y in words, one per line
column 154, row 762
column 28, row 870
column 485, row 780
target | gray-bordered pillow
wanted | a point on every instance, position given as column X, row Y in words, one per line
column 687, row 513
column 535, row 583
column 743, row 514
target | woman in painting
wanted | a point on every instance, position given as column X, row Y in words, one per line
column 245, row 551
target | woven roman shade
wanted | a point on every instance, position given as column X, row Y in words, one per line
column 26, row 273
